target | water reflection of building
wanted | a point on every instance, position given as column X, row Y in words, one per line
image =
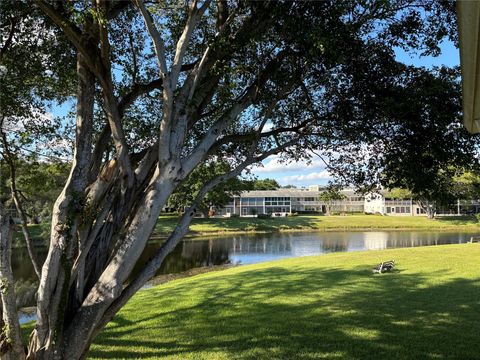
column 375, row 240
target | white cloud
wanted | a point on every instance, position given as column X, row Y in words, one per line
column 320, row 175
column 275, row 165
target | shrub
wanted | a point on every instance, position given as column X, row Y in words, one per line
column 264, row 216
column 234, row 215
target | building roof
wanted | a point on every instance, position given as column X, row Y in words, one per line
column 279, row 193
column 468, row 13
column 292, row 193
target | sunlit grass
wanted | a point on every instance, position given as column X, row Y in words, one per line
column 329, row 307
column 321, row 223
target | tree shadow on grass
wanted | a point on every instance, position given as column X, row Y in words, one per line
column 293, row 313
column 457, row 220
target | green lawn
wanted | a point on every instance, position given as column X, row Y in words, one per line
column 166, row 224
column 322, row 307
column 199, row 226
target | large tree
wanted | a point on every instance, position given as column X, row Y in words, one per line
column 422, row 145
column 216, row 198
column 163, row 88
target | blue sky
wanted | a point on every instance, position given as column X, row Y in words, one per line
column 300, row 173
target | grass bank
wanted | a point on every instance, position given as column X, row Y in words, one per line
column 329, row 307
column 219, row 226
column 166, row 224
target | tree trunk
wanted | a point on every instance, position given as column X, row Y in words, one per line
column 430, row 213
column 430, row 209
column 9, row 157
column 11, row 346
column 46, row 340
column 109, row 286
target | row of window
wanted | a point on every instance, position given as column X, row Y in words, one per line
column 251, row 201
column 259, row 200
column 397, row 202
column 274, row 201
column 398, row 209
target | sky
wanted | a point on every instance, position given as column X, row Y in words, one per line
column 303, row 174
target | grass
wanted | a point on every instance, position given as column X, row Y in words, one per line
column 199, row 226
column 212, row 226
column 322, row 307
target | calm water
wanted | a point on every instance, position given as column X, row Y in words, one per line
column 249, row 249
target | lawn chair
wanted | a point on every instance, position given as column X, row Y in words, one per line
column 384, row 267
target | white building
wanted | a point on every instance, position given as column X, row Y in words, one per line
column 283, row 202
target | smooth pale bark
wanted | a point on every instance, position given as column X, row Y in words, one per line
column 11, row 337
column 110, row 283
column 53, row 289
column 429, row 207
column 178, row 233
column 90, row 260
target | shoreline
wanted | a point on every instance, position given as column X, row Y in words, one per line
column 28, row 314
column 221, row 233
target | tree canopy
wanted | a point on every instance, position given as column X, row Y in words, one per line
column 265, row 184
column 163, row 89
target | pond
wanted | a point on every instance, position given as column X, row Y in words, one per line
column 249, row 248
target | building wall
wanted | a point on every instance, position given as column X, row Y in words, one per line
column 284, row 201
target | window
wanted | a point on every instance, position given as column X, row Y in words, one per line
column 407, row 209
column 389, row 209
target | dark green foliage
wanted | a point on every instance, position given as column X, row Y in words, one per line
column 215, row 198
column 39, row 184
column 418, row 143
column 265, row 184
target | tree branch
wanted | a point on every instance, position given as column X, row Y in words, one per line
column 177, row 234
column 222, row 123
column 8, row 42
column 73, row 33
column 156, row 38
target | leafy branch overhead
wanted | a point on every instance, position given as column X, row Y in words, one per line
column 163, row 90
